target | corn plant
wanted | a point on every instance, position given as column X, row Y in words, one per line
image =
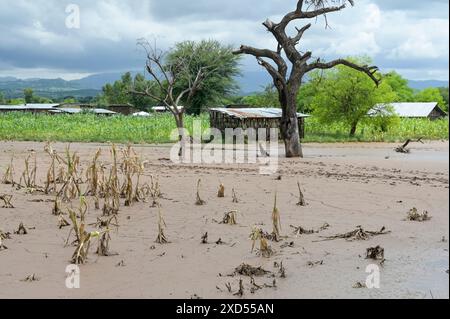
column 301, row 197
column 105, row 224
column 6, row 201
column 276, row 221
column 29, row 174
column 70, row 189
column 199, row 201
column 230, row 218
column 50, row 183
column 235, row 198
column 8, row 177
column 82, row 237
column 161, row 238
column 264, row 249
column 221, row 191
column 92, row 175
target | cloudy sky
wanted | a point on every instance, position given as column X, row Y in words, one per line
column 410, row 36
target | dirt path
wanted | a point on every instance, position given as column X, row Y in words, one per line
column 345, row 185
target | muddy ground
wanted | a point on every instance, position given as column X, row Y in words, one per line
column 345, row 185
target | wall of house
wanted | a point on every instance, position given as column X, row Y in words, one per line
column 222, row 121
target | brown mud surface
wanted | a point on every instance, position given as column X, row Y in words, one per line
column 344, row 185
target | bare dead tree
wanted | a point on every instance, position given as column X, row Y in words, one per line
column 274, row 61
column 165, row 77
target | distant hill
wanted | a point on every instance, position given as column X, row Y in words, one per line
column 97, row 81
column 90, row 86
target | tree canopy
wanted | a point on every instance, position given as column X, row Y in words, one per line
column 431, row 95
column 221, row 67
column 345, row 95
column 119, row 92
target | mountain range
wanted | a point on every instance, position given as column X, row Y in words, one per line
column 250, row 82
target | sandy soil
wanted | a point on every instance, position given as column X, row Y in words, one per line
column 345, row 185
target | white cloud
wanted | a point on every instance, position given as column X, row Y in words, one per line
column 403, row 36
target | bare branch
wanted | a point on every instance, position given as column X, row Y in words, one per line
column 369, row 70
column 265, row 53
column 300, row 33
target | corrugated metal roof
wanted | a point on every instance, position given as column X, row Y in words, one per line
column 254, row 112
column 22, row 107
column 409, row 109
column 76, row 111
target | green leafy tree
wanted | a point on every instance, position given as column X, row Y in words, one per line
column 345, row 95
column 308, row 91
column 28, row 95
column 119, row 92
column 444, row 94
column 2, row 98
column 431, row 95
column 400, row 86
column 267, row 98
column 220, row 65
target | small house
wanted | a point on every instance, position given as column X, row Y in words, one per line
column 430, row 110
column 31, row 108
column 222, row 118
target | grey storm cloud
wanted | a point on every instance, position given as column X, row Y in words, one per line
column 402, row 35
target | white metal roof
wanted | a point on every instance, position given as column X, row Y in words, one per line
column 254, row 112
column 76, row 111
column 30, row 106
column 164, row 109
column 410, row 109
column 142, row 114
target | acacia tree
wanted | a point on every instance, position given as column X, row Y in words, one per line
column 165, row 79
column 274, row 61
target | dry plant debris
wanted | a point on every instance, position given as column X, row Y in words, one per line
column 301, row 197
column 359, row 285
column 205, row 238
column 229, row 218
column 314, row 263
column 2, row 246
column 21, row 230
column 62, row 222
column 282, row 271
column 5, row 235
column 56, row 210
column 199, row 201
column 375, row 253
column 299, row 230
column 221, row 191
column 240, row 292
column 6, row 201
column 414, row 215
column 250, row 271
column 359, row 234
column 403, row 148
column 31, row 278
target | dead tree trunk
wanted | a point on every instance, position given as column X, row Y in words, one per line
column 290, row 130
column 274, row 61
